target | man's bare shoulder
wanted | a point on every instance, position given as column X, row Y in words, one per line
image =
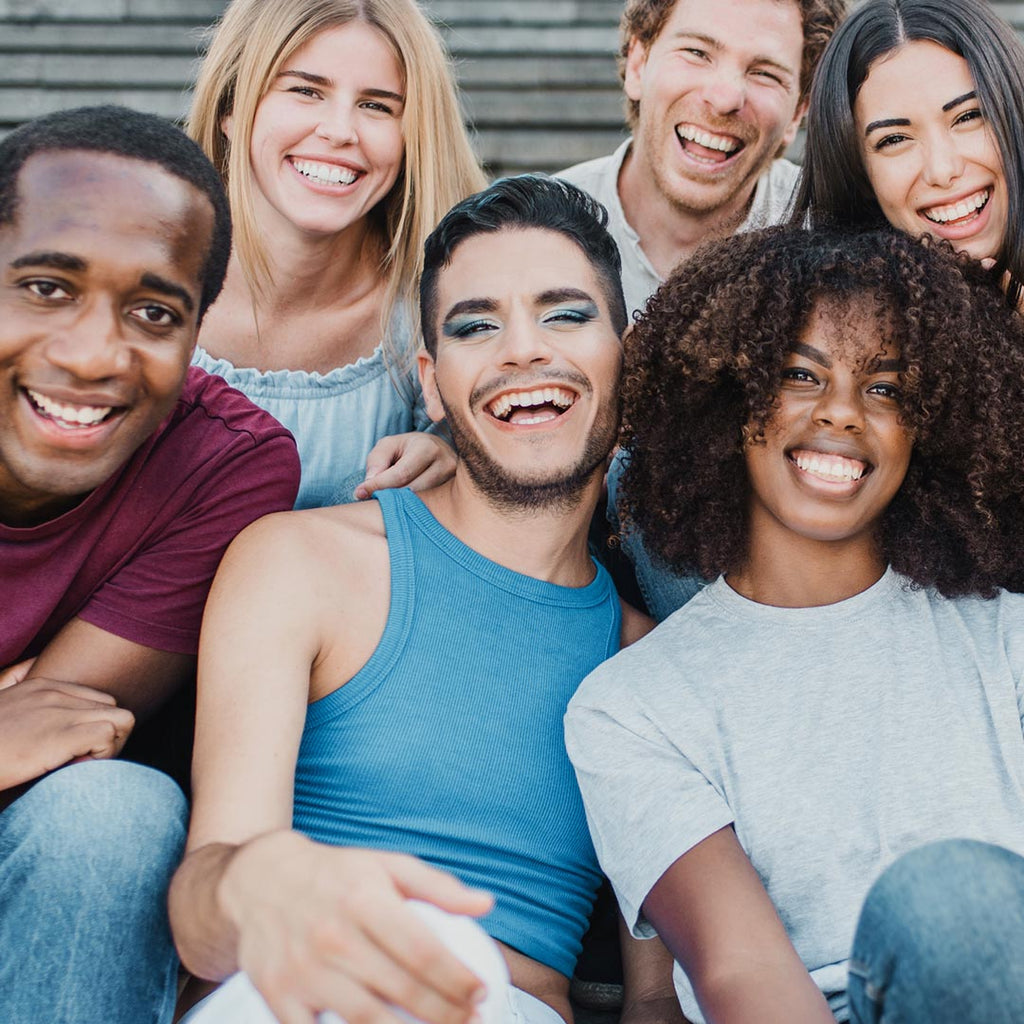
column 311, row 543
column 312, row 528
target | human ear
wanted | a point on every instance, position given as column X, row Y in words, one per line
column 636, row 63
column 225, row 125
column 428, row 384
column 794, row 125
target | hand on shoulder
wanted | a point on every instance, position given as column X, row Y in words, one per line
column 417, row 460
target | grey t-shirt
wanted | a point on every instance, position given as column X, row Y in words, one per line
column 833, row 738
column 770, row 205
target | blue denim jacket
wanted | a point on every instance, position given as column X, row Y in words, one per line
column 663, row 590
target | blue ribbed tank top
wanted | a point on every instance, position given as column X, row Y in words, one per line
column 448, row 743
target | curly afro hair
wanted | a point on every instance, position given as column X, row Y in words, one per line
column 704, row 363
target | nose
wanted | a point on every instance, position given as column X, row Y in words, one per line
column 92, row 347
column 337, row 126
column 943, row 162
column 725, row 89
column 523, row 343
column 840, row 407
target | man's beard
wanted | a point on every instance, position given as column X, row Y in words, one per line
column 561, row 491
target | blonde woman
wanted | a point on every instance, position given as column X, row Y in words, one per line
column 336, row 128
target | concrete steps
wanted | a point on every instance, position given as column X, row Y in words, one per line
column 538, row 77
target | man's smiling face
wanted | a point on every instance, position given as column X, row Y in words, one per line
column 719, row 95
column 527, row 365
column 102, row 267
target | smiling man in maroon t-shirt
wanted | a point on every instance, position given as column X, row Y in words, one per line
column 123, row 476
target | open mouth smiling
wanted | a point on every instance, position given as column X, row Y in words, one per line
column 829, row 467
column 323, row 173
column 527, row 408
column 707, row 147
column 960, row 212
column 67, row 415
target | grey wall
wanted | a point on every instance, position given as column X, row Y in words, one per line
column 538, row 76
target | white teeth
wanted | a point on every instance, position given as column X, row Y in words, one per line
column 325, row 174
column 504, row 404
column 720, row 142
column 78, row 415
column 830, row 467
column 957, row 211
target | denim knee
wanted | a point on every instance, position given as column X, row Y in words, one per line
column 95, row 823
column 86, row 856
column 957, row 885
column 939, row 936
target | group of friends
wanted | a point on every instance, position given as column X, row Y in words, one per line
column 311, row 436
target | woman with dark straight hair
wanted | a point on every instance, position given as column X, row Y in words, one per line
column 915, row 118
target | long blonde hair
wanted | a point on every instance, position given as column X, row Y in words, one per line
column 249, row 47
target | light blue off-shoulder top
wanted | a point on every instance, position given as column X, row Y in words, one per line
column 335, row 417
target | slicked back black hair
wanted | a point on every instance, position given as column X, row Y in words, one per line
column 524, row 201
column 137, row 136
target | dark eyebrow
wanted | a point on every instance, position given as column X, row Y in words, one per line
column 815, row 355
column 902, row 122
column 161, row 284
column 56, row 260
column 891, row 122
column 556, row 295
column 709, row 41
column 972, row 95
column 471, row 306
column 306, row 76
column 886, row 366
column 384, row 94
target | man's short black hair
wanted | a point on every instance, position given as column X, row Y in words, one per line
column 127, row 133
column 525, row 201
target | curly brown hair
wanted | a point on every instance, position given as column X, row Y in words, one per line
column 643, row 21
column 705, row 359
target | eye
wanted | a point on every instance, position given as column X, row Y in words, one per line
column 470, row 328
column 306, row 90
column 45, row 288
column 798, row 375
column 892, row 139
column 696, row 52
column 974, row 114
column 153, row 315
column 886, row 389
column 771, row 76
column 377, row 107
column 569, row 317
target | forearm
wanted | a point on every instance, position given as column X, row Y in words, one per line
column 649, row 996
column 768, row 994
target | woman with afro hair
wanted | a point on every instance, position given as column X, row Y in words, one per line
column 810, row 779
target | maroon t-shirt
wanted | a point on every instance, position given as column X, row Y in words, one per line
column 137, row 556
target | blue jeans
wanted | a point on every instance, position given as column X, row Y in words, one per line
column 86, row 856
column 941, row 939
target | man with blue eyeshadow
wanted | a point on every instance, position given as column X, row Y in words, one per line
column 408, row 663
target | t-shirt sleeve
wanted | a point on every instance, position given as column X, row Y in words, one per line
column 157, row 597
column 646, row 802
